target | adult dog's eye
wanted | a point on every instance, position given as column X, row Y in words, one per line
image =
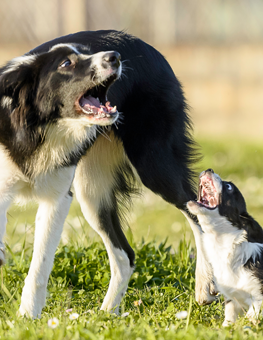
column 229, row 187
column 65, row 63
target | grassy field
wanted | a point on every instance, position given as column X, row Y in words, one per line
column 162, row 284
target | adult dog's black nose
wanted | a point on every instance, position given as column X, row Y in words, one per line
column 112, row 58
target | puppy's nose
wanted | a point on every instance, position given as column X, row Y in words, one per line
column 210, row 170
column 112, row 58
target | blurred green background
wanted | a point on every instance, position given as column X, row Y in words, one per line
column 216, row 50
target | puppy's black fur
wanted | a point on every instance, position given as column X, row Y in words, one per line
column 232, row 205
column 233, row 242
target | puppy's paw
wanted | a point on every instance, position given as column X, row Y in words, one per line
column 227, row 323
column 254, row 321
column 253, row 318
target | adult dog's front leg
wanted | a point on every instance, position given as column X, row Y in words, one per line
column 98, row 178
column 49, row 224
column 3, row 208
column 205, row 289
column 105, row 221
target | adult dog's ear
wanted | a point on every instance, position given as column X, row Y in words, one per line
column 14, row 75
column 9, row 81
column 17, row 82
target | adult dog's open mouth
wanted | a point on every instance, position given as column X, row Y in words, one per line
column 208, row 195
column 94, row 102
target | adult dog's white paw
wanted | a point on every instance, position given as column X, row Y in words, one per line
column 33, row 298
column 28, row 311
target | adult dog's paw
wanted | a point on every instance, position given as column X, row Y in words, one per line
column 203, row 295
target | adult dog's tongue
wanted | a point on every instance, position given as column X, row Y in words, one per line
column 92, row 105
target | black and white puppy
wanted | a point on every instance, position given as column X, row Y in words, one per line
column 53, row 101
column 233, row 243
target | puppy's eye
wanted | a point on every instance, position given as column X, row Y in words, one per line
column 65, row 63
column 229, row 187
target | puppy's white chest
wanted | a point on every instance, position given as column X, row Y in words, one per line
column 232, row 279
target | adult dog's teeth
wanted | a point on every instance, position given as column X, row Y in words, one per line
column 107, row 115
column 114, row 109
column 102, row 115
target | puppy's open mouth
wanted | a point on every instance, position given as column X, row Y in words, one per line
column 94, row 102
column 207, row 194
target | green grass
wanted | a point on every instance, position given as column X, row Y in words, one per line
column 163, row 279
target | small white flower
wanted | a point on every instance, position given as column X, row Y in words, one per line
column 73, row 316
column 181, row 315
column 137, row 303
column 125, row 314
column 53, row 323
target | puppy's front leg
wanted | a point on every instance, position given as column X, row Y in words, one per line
column 49, row 224
column 232, row 310
column 253, row 311
column 205, row 289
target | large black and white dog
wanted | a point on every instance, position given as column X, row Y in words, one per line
column 233, row 244
column 53, row 102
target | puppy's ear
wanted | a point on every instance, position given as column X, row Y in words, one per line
column 253, row 229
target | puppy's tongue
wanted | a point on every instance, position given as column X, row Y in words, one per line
column 93, row 105
column 207, row 194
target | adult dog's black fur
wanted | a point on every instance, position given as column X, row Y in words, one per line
column 155, row 124
column 152, row 141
